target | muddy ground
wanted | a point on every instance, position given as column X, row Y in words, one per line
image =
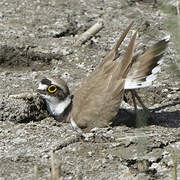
column 37, row 40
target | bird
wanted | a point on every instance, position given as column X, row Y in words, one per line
column 96, row 101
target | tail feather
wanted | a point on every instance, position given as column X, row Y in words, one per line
column 145, row 67
column 121, row 70
column 112, row 54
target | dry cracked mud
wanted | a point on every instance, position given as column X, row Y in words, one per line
column 37, row 40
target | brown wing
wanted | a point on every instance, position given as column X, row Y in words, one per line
column 97, row 100
column 146, row 66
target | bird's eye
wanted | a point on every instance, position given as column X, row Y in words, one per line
column 52, row 88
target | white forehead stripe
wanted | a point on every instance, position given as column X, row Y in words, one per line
column 42, row 86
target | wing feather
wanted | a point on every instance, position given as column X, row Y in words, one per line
column 95, row 103
column 146, row 66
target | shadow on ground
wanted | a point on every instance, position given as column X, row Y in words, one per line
column 158, row 117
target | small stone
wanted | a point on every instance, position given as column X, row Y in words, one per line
column 169, row 96
column 90, row 153
column 164, row 90
column 143, row 165
column 19, row 141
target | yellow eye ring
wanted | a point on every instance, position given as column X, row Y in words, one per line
column 52, row 88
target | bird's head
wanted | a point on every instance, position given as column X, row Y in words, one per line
column 56, row 94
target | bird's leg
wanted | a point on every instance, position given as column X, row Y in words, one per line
column 140, row 101
column 134, row 101
column 141, row 118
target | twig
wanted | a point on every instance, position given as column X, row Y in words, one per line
column 89, row 33
column 174, row 157
column 35, row 173
column 55, row 171
column 23, row 95
column 52, row 166
column 177, row 7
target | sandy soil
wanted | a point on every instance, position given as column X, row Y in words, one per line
column 37, row 40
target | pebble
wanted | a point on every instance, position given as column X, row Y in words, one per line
column 19, row 140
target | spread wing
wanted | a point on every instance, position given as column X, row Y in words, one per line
column 146, row 66
column 97, row 100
